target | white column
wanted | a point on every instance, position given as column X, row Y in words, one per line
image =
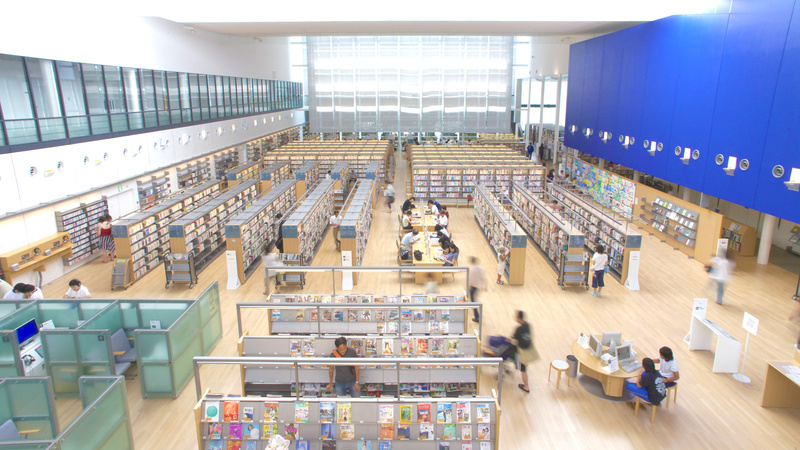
column 765, row 245
column 601, row 163
column 703, row 200
column 687, row 194
column 636, row 176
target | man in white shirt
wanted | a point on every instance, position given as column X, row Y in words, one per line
column 328, row 175
column 335, row 221
column 5, row 288
column 721, row 268
column 16, row 293
column 443, row 220
column 33, row 293
column 433, row 208
column 667, row 366
column 408, row 241
column 77, row 290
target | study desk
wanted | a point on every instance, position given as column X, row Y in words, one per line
column 591, row 366
column 425, row 223
column 781, row 385
column 428, row 260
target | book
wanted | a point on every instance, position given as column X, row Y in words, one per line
column 444, row 446
column 452, row 346
column 326, row 315
column 270, row 412
column 445, row 315
column 326, row 412
column 308, row 347
column 231, row 412
column 404, row 346
column 234, row 445
column 276, row 315
column 314, row 315
column 388, row 347
column 326, row 431
column 290, row 431
column 338, row 315
column 386, row 414
column 235, row 431
column 444, row 327
column 417, row 315
column 215, row 445
column 251, row 445
column 384, row 446
column 387, row 431
column 422, row 346
column 328, row 445
column 404, row 431
column 301, row 412
column 358, row 346
column 365, row 315
column 294, row 347
column 424, row 413
column 270, row 429
column 251, row 431
column 371, row 347
column 378, row 315
column 486, row 446
column 381, row 327
column 405, row 315
column 436, row 345
column 466, row 432
column 352, row 315
column 303, row 445
column 343, row 413
column 449, row 431
column 482, row 414
column 215, row 430
column 466, row 446
column 462, row 412
column 347, row 431
column 405, row 414
column 247, row 413
column 365, row 445
column 433, row 327
column 301, row 315
column 445, row 413
column 483, row 432
column 426, row 432
column 211, row 412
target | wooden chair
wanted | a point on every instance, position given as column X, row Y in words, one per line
column 455, row 263
column 561, row 367
column 400, row 260
column 674, row 394
column 654, row 407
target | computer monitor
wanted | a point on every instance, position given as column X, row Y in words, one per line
column 27, row 331
column 595, row 345
column 612, row 336
column 625, row 353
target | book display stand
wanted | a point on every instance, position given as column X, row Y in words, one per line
column 500, row 230
column 741, row 238
column 357, row 221
column 81, row 223
column 357, row 152
column 672, row 220
column 274, row 174
column 194, row 173
column 304, row 229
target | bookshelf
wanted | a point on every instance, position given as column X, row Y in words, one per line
column 304, row 228
column 358, row 153
column 340, row 172
column 372, row 172
column 620, row 239
column 606, row 188
column 246, row 171
column 143, row 237
column 194, row 173
column 500, row 229
column 559, row 241
column 202, row 231
column 455, row 180
column 307, row 176
column 35, row 256
column 225, row 161
column 741, row 238
column 357, row 221
column 153, row 190
column 253, row 151
column 81, row 223
column 251, row 231
column 673, row 220
column 274, row 174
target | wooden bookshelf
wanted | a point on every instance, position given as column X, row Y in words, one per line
column 225, row 161
column 35, row 256
column 194, row 173
column 307, row 176
column 81, row 224
column 742, row 239
column 372, row 172
column 274, row 174
column 202, row 231
column 358, row 153
column 253, row 230
column 152, row 190
column 455, row 181
column 500, row 229
column 357, row 221
column 340, row 173
column 304, row 229
column 246, row 171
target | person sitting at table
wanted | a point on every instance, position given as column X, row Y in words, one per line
column 443, row 220
column 432, row 207
column 551, row 175
column 649, row 386
column 442, row 229
column 407, row 243
column 16, row 293
column 450, row 254
column 443, row 238
column 555, row 206
column 407, row 220
column 667, row 366
column 408, row 205
column 444, row 212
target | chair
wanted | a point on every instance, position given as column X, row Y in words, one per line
column 124, row 355
column 561, row 367
column 670, row 390
column 639, row 400
column 400, row 260
column 455, row 263
column 10, row 432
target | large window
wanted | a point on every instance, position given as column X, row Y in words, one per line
column 410, row 83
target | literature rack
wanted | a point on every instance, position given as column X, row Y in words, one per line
column 153, row 190
column 143, row 237
column 224, row 161
column 673, row 220
column 81, row 223
column 35, row 256
column 357, row 221
column 304, row 228
column 598, row 227
column 202, row 231
column 607, row 189
column 509, row 140
column 307, row 176
column 254, row 229
column 741, row 238
column 556, row 239
column 246, row 171
column 326, row 423
column 500, row 229
column 341, row 173
column 194, row 173
column 274, row 174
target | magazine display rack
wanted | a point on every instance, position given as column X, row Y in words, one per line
column 742, row 239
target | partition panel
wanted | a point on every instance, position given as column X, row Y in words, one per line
column 104, row 424
column 10, row 364
column 164, row 312
column 32, row 406
column 211, row 320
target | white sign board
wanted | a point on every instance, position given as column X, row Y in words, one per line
column 347, row 275
column 722, row 248
column 632, row 282
column 155, row 324
column 700, row 307
column 233, row 271
column 750, row 324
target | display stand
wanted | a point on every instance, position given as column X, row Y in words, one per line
column 153, row 189
column 81, row 223
column 307, row 176
column 304, row 229
column 750, row 324
column 35, row 256
column 501, row 230
column 180, row 268
column 728, row 349
column 357, row 222
column 273, row 175
column 742, row 239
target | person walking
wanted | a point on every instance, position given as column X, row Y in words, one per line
column 106, row 242
column 720, row 272
column 389, row 196
column 525, row 351
column 477, row 280
column 599, row 264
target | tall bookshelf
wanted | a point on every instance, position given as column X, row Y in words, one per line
column 372, row 172
column 741, row 238
column 225, row 161
column 246, row 171
column 81, row 223
column 202, row 231
column 194, row 173
column 253, row 151
column 500, row 229
column 143, row 237
column 673, row 220
column 340, row 172
column 358, row 153
column 456, row 181
column 253, row 230
column 307, row 176
column 153, row 190
column 274, row 174
column 357, row 221
column 553, row 235
column 304, row 228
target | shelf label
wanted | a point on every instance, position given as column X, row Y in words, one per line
column 750, row 324
column 347, row 276
column 233, row 270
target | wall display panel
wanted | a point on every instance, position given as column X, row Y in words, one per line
column 608, row 189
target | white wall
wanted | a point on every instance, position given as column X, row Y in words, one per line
column 550, row 54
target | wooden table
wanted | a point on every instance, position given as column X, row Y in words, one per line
column 591, row 366
column 779, row 389
column 428, row 260
column 427, row 222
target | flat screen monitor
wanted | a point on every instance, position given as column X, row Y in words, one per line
column 27, row 331
column 595, row 345
column 612, row 336
column 625, row 353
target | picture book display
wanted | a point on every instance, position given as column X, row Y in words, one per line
column 301, row 412
column 347, row 432
column 404, row 431
column 270, row 429
column 343, row 413
column 247, row 413
column 445, row 413
column 484, row 433
column 234, row 445
column 449, row 431
column 326, row 411
column 405, row 413
column 466, row 432
column 251, row 431
column 270, row 412
column 426, row 432
column 235, row 431
column 290, row 431
column 482, row 413
column 231, row 412
column 215, row 430
column 326, row 431
column 387, row 431
column 303, row 445
column 386, row 414
column 462, row 412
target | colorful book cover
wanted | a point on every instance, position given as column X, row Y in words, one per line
column 270, row 412
column 343, row 413
column 251, row 445
column 328, row 445
column 482, row 413
column 462, row 412
column 406, row 314
column 444, row 446
column 436, row 347
column 404, row 346
column 358, row 346
column 384, row 446
column 381, row 327
column 422, row 346
column 290, row 432
column 424, row 413
column 216, row 445
column 426, row 432
column 215, row 430
column 433, row 327
column 276, row 315
column 347, row 431
column 301, row 412
column 445, row 413
column 314, row 315
column 234, row 445
column 231, row 412
column 466, row 446
column 445, row 315
column 483, row 432
column 295, row 347
column 444, row 327
column 449, row 431
column 393, row 315
column 417, row 315
column 378, row 315
column 352, row 315
column 326, row 431
column 308, row 347
column 387, row 431
column 326, row 411
column 327, row 315
column 371, row 347
column 386, row 414
column 270, row 429
column 366, row 315
column 303, row 445
column 404, row 431
column 405, row 327
column 466, row 432
column 388, row 347
column 365, row 445
column 404, row 299
column 405, row 414
column 211, row 412
column 235, row 431
column 251, row 431
column 452, row 346
column 247, row 413
column 301, row 315
column 338, row 315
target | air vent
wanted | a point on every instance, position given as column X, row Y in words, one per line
column 778, row 171
column 85, row 160
column 60, row 166
column 105, row 156
column 633, row 141
column 720, row 159
column 678, row 151
column 744, row 164
column 646, row 144
column 695, row 154
column 660, row 146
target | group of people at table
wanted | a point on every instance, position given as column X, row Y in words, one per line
column 413, row 226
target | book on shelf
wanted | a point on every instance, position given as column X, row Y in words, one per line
column 211, row 412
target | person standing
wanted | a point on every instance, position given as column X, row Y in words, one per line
column 389, row 192
column 335, row 222
column 502, row 262
column 106, row 242
column 530, row 150
column 77, row 290
column 598, row 270
column 343, row 378
column 649, row 386
column 720, row 272
column 279, row 241
column 272, row 260
column 477, row 280
column 525, row 351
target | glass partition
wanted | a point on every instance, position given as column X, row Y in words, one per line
column 28, row 402
column 20, row 316
column 10, row 364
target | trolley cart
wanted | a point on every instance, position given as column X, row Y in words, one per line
column 180, row 268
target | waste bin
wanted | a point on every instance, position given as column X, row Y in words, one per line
column 573, row 366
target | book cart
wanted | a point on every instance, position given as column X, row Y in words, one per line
column 194, row 173
column 180, row 268
column 357, row 221
column 142, row 238
column 599, row 228
column 500, row 229
column 253, row 230
column 741, row 238
column 274, row 174
column 153, row 189
column 246, row 171
column 202, row 231
column 304, row 229
column 340, row 172
column 307, row 176
column 81, row 223
column 561, row 243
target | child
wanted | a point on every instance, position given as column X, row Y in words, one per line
column 502, row 256
column 77, row 290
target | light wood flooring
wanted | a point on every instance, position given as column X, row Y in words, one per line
column 713, row 410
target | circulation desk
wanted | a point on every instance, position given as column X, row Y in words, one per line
column 591, row 366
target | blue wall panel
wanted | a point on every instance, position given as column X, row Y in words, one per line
column 748, row 76
column 610, row 74
column 575, row 94
column 591, row 94
column 633, row 75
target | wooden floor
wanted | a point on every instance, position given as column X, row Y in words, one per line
column 713, row 410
